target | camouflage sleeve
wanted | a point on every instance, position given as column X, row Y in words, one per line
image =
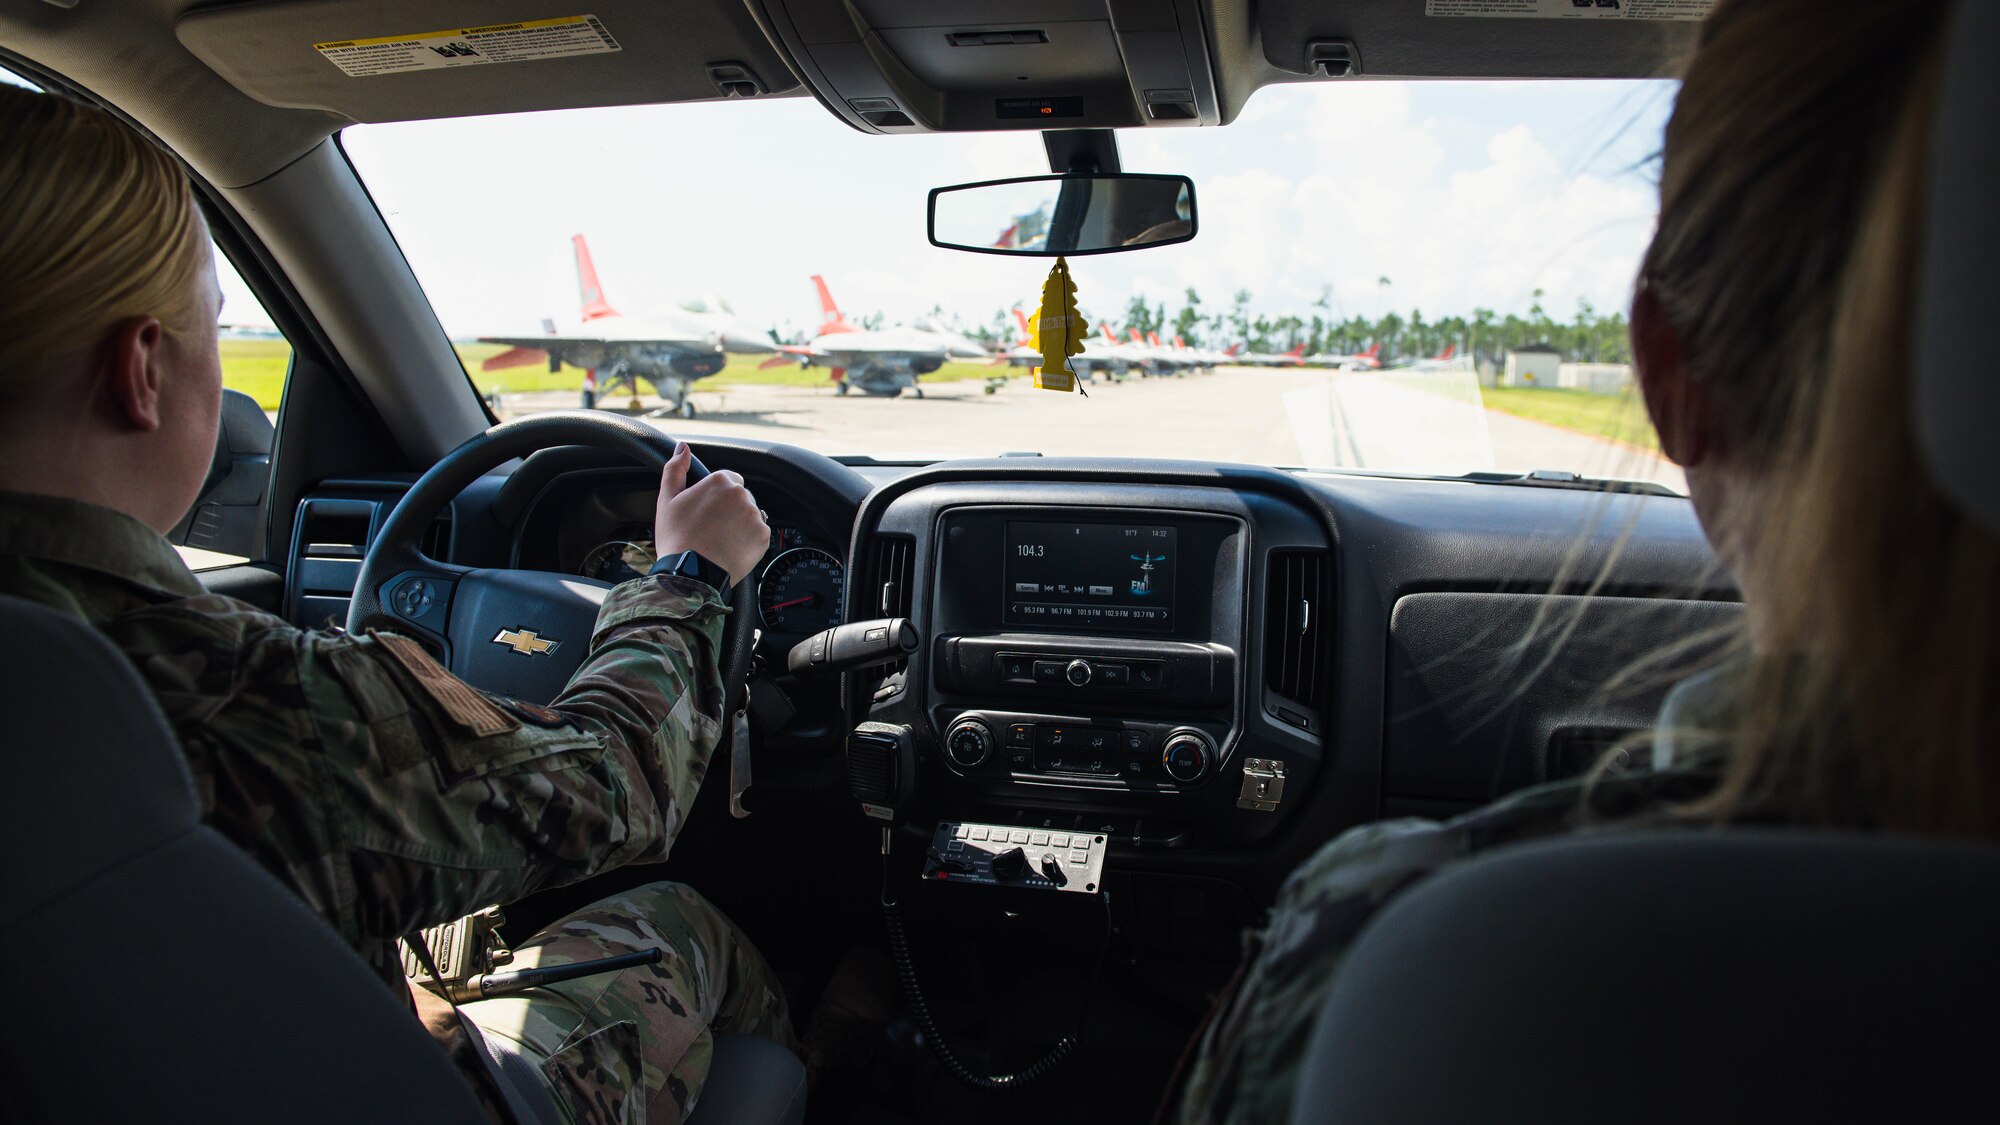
column 1247, row 1068
column 1248, row 1063
column 391, row 795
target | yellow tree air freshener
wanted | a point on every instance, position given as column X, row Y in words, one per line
column 1059, row 331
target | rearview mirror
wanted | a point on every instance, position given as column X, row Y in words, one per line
column 1043, row 216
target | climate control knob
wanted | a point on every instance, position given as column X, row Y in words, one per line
column 1187, row 755
column 968, row 744
column 1078, row 672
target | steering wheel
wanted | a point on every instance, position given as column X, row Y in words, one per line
column 521, row 633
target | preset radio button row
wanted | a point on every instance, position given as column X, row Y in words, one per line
column 1080, row 672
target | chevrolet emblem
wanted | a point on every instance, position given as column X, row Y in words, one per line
column 525, row 642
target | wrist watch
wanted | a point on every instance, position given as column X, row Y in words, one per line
column 690, row 564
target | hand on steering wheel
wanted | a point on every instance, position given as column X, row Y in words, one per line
column 524, row 633
column 716, row 517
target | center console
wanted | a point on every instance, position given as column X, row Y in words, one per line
column 1093, row 650
column 1108, row 666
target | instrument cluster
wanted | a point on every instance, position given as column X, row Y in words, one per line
column 800, row 582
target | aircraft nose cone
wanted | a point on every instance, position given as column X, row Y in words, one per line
column 750, row 343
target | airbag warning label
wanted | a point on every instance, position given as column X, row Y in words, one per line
column 469, row 46
column 1572, row 9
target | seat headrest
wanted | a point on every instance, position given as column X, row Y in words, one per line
column 1669, row 976
column 96, row 774
column 1957, row 392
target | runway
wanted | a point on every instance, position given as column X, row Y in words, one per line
column 1411, row 422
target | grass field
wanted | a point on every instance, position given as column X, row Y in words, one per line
column 1620, row 417
column 257, row 368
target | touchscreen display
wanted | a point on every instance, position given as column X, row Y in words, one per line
column 1090, row 576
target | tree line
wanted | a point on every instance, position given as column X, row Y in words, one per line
column 1588, row 336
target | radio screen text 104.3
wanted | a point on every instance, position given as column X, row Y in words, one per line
column 1111, row 577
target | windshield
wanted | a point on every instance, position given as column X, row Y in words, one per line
column 1410, row 277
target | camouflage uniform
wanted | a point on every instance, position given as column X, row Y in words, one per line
column 391, row 797
column 1250, row 1052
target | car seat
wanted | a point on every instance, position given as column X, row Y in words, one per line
column 157, row 973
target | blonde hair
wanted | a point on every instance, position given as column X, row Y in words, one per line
column 1791, row 216
column 97, row 225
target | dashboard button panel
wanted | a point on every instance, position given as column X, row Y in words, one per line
column 1060, row 748
column 1079, row 671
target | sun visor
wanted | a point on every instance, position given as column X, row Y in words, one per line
column 1480, row 38
column 925, row 66
column 390, row 60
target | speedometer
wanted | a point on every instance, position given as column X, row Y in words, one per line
column 800, row 592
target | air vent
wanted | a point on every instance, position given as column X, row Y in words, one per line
column 437, row 540
column 895, row 556
column 328, row 542
column 1296, row 601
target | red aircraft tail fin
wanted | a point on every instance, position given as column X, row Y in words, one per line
column 1298, row 351
column 1179, row 343
column 1027, row 333
column 1136, row 338
column 1449, row 351
column 830, row 319
column 588, row 290
column 1110, row 337
column 1153, row 338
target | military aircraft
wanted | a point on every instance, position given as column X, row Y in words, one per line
column 670, row 351
column 1294, row 358
column 1370, row 360
column 880, row 362
column 1439, row 362
column 1096, row 358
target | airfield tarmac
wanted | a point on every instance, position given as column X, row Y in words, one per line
column 1410, row 422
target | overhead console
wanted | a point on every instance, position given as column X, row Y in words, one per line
column 926, row 66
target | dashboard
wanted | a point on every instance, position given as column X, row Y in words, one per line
column 1215, row 667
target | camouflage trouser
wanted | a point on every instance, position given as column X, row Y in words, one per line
column 633, row 1047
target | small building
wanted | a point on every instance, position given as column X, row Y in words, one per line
column 1595, row 378
column 1532, row 365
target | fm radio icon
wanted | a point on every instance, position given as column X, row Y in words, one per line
column 1143, row 584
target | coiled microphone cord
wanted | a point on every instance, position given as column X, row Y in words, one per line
column 920, row 1009
column 913, row 994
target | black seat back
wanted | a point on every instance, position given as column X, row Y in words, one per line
column 1671, row 977
column 154, row 971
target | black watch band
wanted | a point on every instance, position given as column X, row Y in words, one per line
column 691, row 564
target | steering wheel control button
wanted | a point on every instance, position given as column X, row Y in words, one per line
column 415, row 597
column 1077, row 672
column 968, row 744
column 1187, row 756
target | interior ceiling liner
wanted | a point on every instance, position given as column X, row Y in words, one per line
column 390, row 60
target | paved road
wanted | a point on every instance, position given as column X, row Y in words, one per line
column 1325, row 419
